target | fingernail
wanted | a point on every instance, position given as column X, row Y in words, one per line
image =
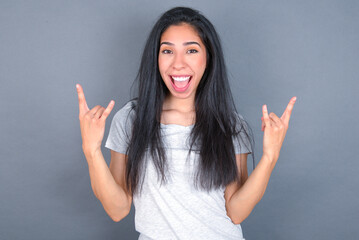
column 265, row 107
column 295, row 98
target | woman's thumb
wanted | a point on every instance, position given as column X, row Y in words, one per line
column 108, row 110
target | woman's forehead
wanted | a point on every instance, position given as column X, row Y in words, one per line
column 180, row 33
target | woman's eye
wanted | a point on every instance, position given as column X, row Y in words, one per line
column 166, row 51
column 192, row 51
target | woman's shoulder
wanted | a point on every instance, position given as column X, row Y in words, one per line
column 240, row 122
column 126, row 112
column 238, row 115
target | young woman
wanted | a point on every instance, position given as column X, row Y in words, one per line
column 179, row 149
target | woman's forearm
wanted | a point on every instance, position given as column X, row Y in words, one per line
column 112, row 196
column 251, row 192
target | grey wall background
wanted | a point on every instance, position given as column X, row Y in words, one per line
column 274, row 50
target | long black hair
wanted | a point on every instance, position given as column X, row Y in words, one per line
column 217, row 121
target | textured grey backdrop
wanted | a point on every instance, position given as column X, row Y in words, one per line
column 274, row 50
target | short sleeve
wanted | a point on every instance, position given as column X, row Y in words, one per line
column 119, row 135
column 241, row 142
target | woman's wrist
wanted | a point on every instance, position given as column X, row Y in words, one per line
column 91, row 154
column 272, row 160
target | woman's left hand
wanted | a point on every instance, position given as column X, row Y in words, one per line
column 275, row 129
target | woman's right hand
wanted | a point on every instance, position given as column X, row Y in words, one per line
column 92, row 123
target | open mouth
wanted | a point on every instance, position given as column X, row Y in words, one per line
column 180, row 83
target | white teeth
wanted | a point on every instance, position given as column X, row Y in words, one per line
column 180, row 79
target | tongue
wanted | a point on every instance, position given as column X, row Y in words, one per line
column 181, row 84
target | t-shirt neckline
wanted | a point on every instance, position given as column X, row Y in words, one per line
column 176, row 125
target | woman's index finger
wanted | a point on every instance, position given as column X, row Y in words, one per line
column 82, row 100
column 265, row 115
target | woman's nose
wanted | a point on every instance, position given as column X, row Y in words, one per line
column 179, row 62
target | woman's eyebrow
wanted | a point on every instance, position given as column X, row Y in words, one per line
column 184, row 44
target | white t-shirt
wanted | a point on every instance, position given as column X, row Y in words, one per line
column 175, row 210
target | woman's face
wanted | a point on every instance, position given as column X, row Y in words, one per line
column 181, row 60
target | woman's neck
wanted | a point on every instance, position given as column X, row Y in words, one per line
column 178, row 111
column 181, row 105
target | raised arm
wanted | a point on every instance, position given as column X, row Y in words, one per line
column 111, row 193
column 241, row 203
